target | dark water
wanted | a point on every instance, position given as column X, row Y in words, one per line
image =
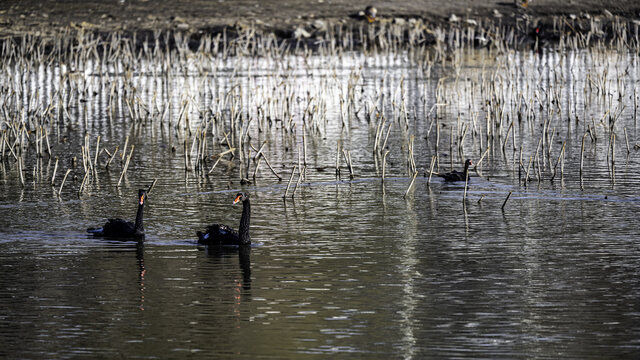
column 349, row 269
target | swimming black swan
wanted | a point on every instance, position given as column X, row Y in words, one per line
column 457, row 175
column 217, row 234
column 118, row 228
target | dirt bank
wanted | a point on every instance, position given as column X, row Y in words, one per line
column 49, row 17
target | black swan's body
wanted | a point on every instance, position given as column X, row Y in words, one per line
column 457, row 175
column 118, row 228
column 217, row 234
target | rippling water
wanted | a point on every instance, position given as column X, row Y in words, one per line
column 345, row 268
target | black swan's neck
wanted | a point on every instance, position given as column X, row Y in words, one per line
column 466, row 168
column 139, row 226
column 243, row 231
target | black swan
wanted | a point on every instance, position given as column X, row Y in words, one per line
column 457, row 175
column 217, row 234
column 118, row 228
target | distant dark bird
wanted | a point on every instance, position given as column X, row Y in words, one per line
column 457, row 175
column 218, row 234
column 368, row 14
column 118, row 228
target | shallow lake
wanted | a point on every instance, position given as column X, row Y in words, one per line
column 351, row 268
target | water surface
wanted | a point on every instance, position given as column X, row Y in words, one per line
column 346, row 268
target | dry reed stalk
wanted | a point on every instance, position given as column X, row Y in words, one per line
column 505, row 200
column 338, row 158
column 256, row 169
column 413, row 179
column 270, row 167
column 124, row 149
column 290, row 179
column 214, row 165
column 300, row 175
column 626, row 138
column 63, row 180
column 613, row 157
column 84, row 180
column 95, row 160
column 560, row 157
column 153, row 184
column 526, row 176
column 433, row 163
column 20, row 170
column 582, row 159
column 126, row 165
column 55, row 168
column 384, row 164
column 111, row 156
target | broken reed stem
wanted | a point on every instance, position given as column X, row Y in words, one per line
column 299, row 181
column 153, row 184
column 126, row 165
column 95, row 160
column 582, row 159
column 613, row 158
column 271, row 167
column 290, row 179
column 20, row 170
column 63, row 180
column 46, row 136
column 526, row 177
column 338, row 158
column 433, row 163
column 124, row 149
column 413, row 179
column 505, row 200
column 84, row 180
column 256, row 169
column 214, row 165
column 384, row 164
column 626, row 138
column 111, row 156
column 555, row 168
column 482, row 157
column 55, row 168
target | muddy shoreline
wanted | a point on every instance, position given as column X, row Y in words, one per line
column 302, row 19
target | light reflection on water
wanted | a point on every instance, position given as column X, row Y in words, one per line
column 346, row 267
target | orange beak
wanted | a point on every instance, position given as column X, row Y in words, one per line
column 237, row 199
column 142, row 200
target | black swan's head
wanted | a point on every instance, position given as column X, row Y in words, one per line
column 241, row 197
column 142, row 196
column 468, row 163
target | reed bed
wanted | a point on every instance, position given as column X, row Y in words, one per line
column 244, row 97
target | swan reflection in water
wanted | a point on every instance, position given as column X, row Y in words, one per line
column 244, row 259
column 142, row 271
